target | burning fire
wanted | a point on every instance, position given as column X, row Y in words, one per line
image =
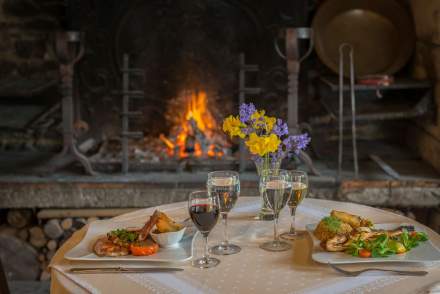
column 195, row 129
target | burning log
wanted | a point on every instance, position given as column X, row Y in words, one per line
column 200, row 137
column 190, row 144
column 195, row 132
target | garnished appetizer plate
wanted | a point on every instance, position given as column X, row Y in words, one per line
column 342, row 238
column 127, row 241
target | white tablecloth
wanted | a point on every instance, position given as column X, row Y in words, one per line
column 253, row 270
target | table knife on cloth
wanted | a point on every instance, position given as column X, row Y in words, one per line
column 112, row 270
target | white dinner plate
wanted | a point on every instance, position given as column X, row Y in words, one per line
column 84, row 250
column 426, row 252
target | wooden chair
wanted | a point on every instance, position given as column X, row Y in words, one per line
column 4, row 289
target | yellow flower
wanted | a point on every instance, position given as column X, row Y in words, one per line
column 232, row 125
column 270, row 122
column 261, row 121
column 258, row 114
column 262, row 145
column 258, row 118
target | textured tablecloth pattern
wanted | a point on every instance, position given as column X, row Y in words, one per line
column 253, row 270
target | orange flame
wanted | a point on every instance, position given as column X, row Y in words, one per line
column 195, row 109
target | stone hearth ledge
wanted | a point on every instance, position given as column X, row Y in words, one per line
column 112, row 191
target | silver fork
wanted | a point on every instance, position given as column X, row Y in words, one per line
column 357, row 273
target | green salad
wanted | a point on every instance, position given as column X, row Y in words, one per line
column 124, row 235
column 383, row 245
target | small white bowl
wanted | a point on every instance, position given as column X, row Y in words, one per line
column 168, row 240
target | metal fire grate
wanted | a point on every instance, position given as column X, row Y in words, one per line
column 127, row 114
column 243, row 91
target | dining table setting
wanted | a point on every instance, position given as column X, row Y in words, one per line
column 226, row 248
column 281, row 241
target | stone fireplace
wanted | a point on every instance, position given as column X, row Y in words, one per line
column 155, row 80
column 188, row 58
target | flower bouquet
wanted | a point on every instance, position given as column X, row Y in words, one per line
column 267, row 138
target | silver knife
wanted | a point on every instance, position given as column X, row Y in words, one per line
column 112, row 270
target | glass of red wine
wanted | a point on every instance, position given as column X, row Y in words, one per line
column 204, row 210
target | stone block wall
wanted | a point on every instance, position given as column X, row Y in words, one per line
column 26, row 29
column 424, row 135
column 28, row 242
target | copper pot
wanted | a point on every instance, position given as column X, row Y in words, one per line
column 380, row 31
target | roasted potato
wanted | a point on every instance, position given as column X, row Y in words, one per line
column 329, row 227
column 166, row 224
column 353, row 220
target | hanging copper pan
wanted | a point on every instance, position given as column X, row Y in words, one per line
column 380, row 31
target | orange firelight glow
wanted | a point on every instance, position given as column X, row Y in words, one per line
column 194, row 111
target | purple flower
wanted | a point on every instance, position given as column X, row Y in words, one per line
column 302, row 141
column 296, row 143
column 277, row 156
column 280, row 128
column 274, row 158
column 246, row 111
column 257, row 159
column 247, row 130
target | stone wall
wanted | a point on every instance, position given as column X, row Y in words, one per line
column 26, row 28
column 29, row 240
column 425, row 134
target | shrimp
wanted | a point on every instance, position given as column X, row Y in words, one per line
column 146, row 229
column 104, row 247
column 337, row 243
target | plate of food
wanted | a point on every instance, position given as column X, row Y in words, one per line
column 159, row 239
column 342, row 238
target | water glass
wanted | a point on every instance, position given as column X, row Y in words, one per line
column 226, row 186
column 276, row 187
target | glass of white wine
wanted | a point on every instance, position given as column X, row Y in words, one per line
column 300, row 187
column 226, row 186
column 276, row 187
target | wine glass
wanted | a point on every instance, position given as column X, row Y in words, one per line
column 276, row 187
column 300, row 187
column 204, row 211
column 226, row 186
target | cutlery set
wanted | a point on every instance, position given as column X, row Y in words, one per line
column 357, row 273
column 115, row 270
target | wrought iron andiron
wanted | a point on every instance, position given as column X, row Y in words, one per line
column 293, row 59
column 69, row 50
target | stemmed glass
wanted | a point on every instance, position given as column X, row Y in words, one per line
column 300, row 187
column 204, row 211
column 226, row 186
column 276, row 187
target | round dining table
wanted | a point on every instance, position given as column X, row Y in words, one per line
column 252, row 270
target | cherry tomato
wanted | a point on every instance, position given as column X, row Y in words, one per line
column 364, row 253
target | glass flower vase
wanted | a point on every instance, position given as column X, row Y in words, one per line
column 263, row 166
